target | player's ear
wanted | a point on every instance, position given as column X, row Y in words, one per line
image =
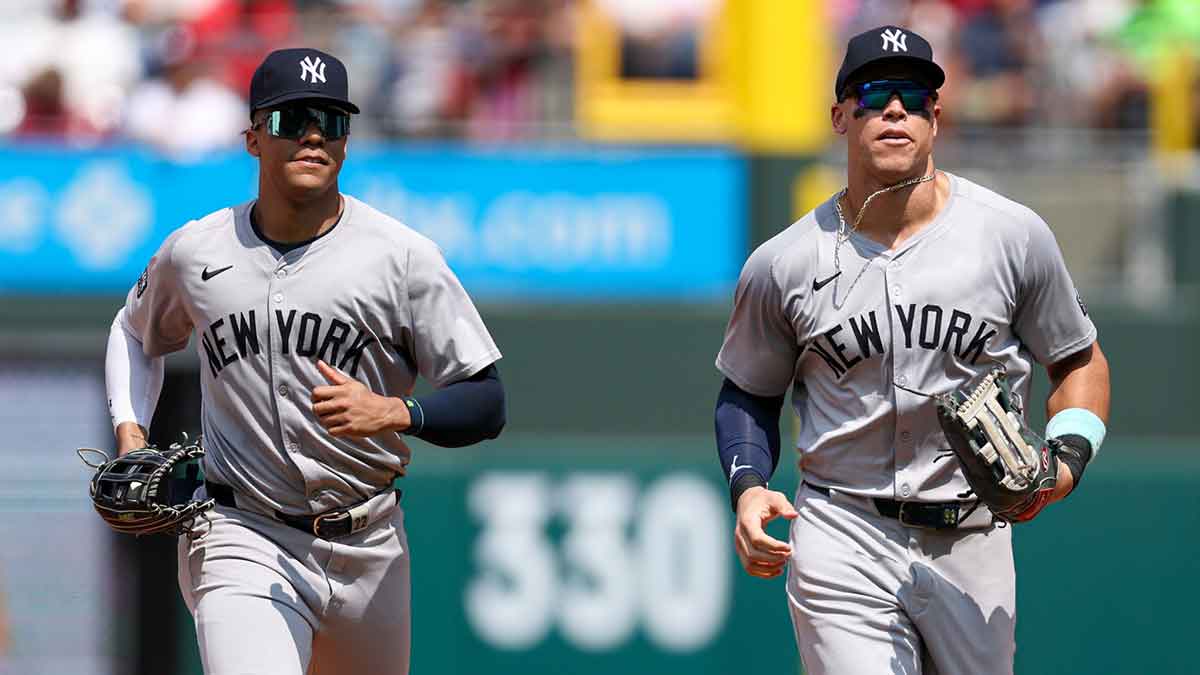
column 839, row 119
column 933, row 119
column 252, row 143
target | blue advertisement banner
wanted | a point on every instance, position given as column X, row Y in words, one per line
column 515, row 224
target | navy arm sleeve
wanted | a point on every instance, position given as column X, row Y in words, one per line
column 748, row 441
column 461, row 413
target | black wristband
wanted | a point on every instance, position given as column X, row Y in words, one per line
column 743, row 482
column 1076, row 452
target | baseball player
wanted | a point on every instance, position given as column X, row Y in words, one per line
column 911, row 282
column 312, row 315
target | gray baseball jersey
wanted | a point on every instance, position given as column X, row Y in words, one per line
column 371, row 297
column 985, row 283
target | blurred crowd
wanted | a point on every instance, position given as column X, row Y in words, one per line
column 1079, row 63
column 173, row 73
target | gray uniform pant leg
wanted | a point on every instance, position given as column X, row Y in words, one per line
column 269, row 599
column 869, row 595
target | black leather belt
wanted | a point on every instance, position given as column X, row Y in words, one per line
column 931, row 515
column 328, row 525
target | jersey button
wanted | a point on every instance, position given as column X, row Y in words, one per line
column 279, row 297
column 294, row 446
column 279, row 274
column 905, row 490
column 902, row 380
column 283, row 390
column 896, row 291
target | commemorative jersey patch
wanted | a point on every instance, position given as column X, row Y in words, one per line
column 143, row 281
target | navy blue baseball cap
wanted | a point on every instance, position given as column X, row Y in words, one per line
column 889, row 44
column 300, row 74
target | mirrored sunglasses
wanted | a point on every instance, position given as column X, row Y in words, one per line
column 292, row 122
column 875, row 95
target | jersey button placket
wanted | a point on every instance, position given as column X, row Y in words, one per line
column 902, row 447
column 280, row 370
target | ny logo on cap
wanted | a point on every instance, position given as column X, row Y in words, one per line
column 311, row 71
column 897, row 38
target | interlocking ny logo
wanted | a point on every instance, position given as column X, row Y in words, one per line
column 311, row 71
column 897, row 38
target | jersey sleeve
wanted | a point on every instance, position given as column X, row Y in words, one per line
column 760, row 348
column 448, row 339
column 1050, row 319
column 155, row 308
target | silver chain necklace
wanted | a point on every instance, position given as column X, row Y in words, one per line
column 843, row 235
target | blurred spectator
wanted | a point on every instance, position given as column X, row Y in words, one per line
column 661, row 39
column 1156, row 36
column 93, row 53
column 1000, row 46
column 46, row 112
column 499, row 92
column 425, row 73
column 556, row 70
column 183, row 111
column 940, row 23
column 851, row 17
column 1092, row 83
column 242, row 33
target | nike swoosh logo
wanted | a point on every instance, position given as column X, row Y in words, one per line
column 734, row 467
column 818, row 285
column 206, row 275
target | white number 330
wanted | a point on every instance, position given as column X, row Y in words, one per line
column 672, row 572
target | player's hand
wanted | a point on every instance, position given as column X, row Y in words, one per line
column 761, row 554
column 130, row 436
column 1064, row 484
column 346, row 407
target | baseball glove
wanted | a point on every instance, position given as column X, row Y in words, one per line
column 1010, row 468
column 148, row 491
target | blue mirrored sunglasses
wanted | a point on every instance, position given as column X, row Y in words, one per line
column 875, row 95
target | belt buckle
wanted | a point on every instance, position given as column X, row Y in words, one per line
column 359, row 517
column 933, row 516
column 330, row 519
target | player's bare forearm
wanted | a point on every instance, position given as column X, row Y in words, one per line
column 1078, row 381
column 130, row 436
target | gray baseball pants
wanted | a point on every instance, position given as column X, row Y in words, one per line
column 268, row 599
column 870, row 596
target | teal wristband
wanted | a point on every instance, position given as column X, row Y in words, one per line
column 1081, row 422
